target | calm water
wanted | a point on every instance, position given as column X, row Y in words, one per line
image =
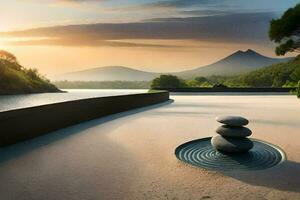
column 10, row 102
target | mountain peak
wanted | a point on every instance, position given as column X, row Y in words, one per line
column 236, row 63
column 250, row 51
column 247, row 53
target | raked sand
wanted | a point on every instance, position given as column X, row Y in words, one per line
column 131, row 155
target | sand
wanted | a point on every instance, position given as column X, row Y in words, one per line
column 131, row 155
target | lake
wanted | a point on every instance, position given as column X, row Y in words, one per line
column 11, row 102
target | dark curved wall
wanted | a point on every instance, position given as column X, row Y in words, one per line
column 23, row 124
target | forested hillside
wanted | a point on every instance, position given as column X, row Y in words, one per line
column 277, row 75
column 16, row 79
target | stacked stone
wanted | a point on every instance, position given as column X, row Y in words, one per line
column 232, row 136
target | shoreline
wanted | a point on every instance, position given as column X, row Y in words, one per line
column 230, row 90
column 30, row 92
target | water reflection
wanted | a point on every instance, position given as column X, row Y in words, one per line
column 10, row 102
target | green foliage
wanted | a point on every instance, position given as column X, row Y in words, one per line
column 103, row 84
column 201, row 80
column 154, row 91
column 285, row 47
column 5, row 55
column 215, row 80
column 206, row 84
column 277, row 75
column 286, row 27
column 219, row 86
column 198, row 82
column 295, row 76
column 15, row 79
column 290, row 84
column 168, row 81
column 210, row 81
column 192, row 83
column 298, row 90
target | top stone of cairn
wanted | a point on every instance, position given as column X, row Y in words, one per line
column 233, row 120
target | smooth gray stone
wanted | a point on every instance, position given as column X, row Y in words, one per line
column 233, row 120
column 234, row 131
column 231, row 145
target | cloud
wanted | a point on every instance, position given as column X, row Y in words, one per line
column 75, row 2
column 81, row 1
column 84, row 43
column 166, row 5
column 266, row 5
column 238, row 28
column 180, row 3
column 201, row 13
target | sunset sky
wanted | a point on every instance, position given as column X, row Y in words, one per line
column 58, row 36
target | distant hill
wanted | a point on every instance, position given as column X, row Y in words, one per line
column 277, row 75
column 110, row 73
column 237, row 63
column 15, row 79
column 103, row 84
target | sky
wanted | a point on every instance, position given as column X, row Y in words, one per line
column 58, row 36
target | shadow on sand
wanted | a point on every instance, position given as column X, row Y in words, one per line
column 17, row 150
column 284, row 177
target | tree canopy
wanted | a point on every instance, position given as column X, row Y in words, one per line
column 5, row 55
column 298, row 90
column 286, row 31
column 167, row 81
column 15, row 79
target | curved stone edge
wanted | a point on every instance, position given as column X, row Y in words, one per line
column 280, row 150
column 34, row 121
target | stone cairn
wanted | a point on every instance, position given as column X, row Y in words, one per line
column 232, row 136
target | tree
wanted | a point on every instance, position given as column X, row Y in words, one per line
column 201, row 79
column 5, row 55
column 298, row 90
column 286, row 31
column 219, row 86
column 295, row 76
column 167, row 81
